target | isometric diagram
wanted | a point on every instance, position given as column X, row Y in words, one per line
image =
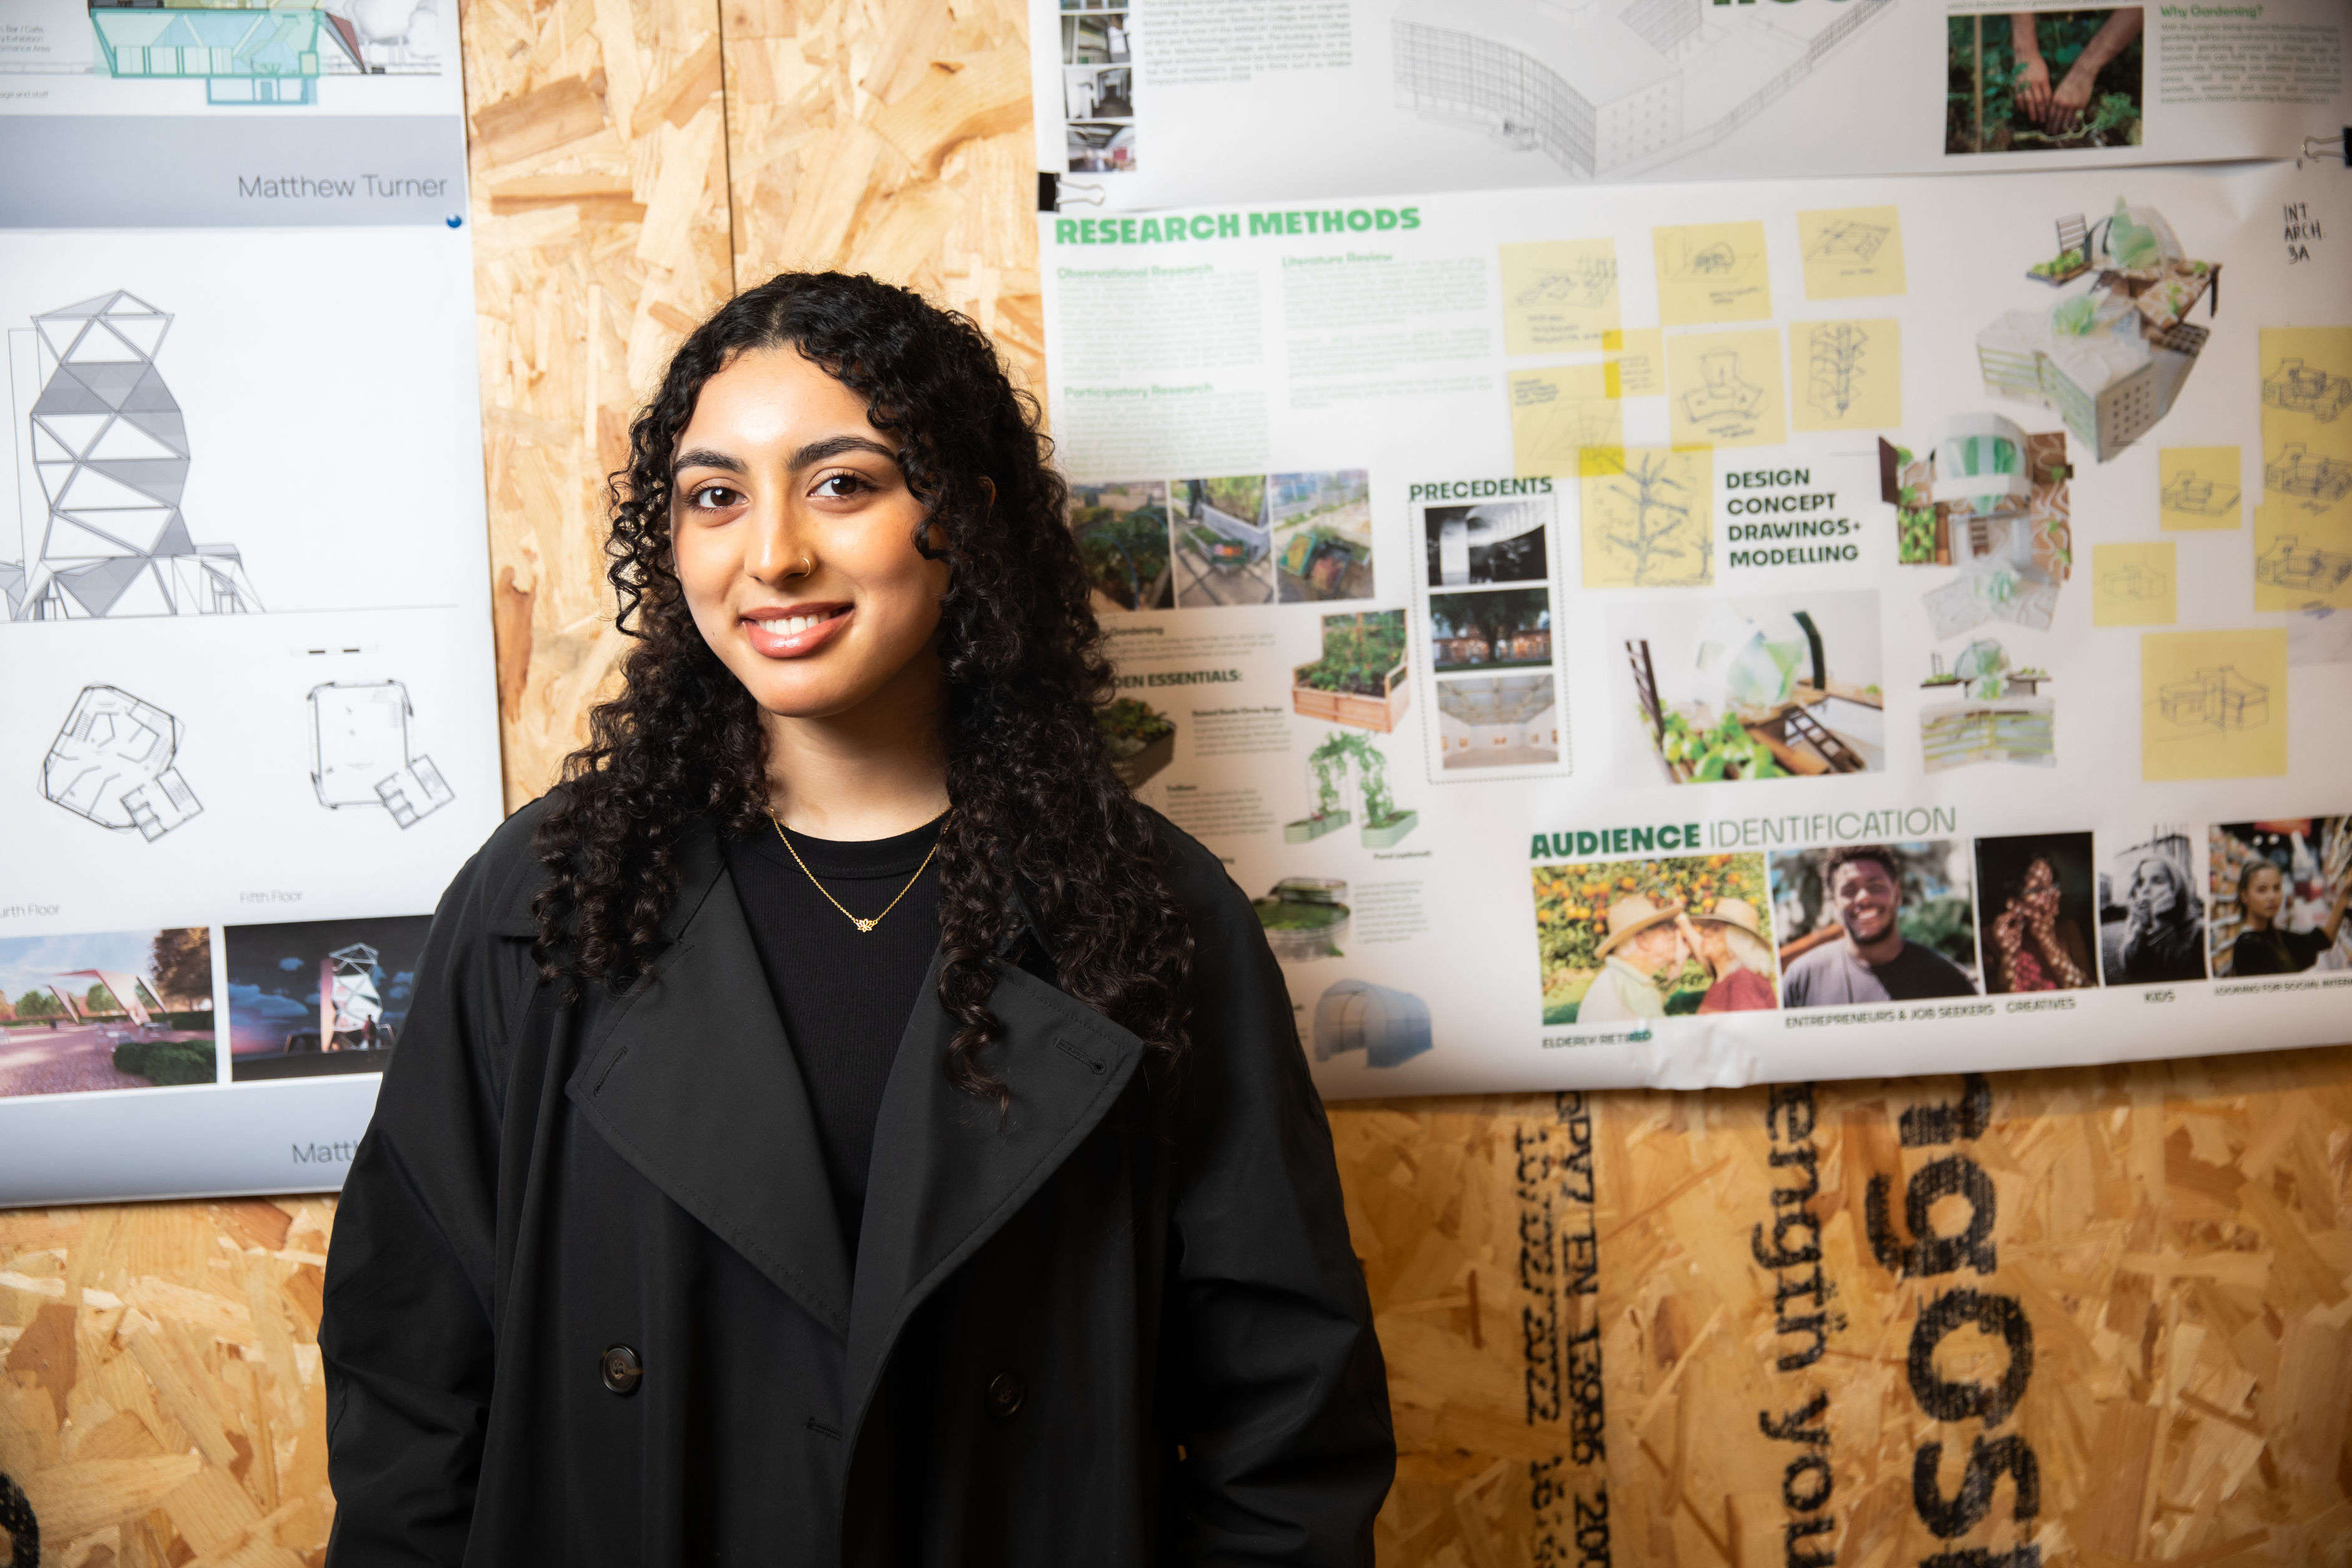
column 1723, row 398
column 2191, row 492
column 2109, row 361
column 113, row 763
column 2290, row 563
column 1844, row 239
column 2295, row 472
column 359, row 755
column 2300, row 390
column 265, row 52
column 1834, row 367
column 2216, row 698
column 103, row 463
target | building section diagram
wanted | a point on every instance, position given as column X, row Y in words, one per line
column 113, row 763
column 265, row 52
column 103, row 461
column 359, row 755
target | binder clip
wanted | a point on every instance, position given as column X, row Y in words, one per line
column 2327, row 148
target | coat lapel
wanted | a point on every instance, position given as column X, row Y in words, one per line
column 693, row 1082
column 947, row 1171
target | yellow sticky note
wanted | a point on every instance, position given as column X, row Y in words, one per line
column 1723, row 389
column 1640, row 361
column 1559, row 296
column 2302, row 561
column 2201, row 487
column 2212, row 704
column 1559, row 411
column 1712, row 272
column 1849, row 374
column 2315, row 482
column 2133, row 584
column 1851, row 252
column 2308, row 391
column 1647, row 516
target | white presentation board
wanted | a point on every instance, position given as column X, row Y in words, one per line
column 247, row 727
column 1536, row 597
column 1152, row 103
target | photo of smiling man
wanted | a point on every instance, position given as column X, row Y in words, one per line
column 1872, row 922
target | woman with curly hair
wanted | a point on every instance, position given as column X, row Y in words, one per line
column 839, row 1123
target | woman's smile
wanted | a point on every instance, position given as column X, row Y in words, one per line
column 795, row 631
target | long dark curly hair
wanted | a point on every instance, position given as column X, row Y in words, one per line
column 1034, row 804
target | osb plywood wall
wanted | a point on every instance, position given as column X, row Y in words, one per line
column 2103, row 1315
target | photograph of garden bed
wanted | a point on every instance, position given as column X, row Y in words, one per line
column 1225, row 547
column 1322, row 535
column 2001, row 98
column 1142, row 739
column 1305, row 918
column 1122, row 533
column 1359, row 680
column 1508, row 628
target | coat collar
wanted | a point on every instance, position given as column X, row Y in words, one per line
column 689, row 1077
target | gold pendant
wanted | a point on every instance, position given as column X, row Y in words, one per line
column 863, row 925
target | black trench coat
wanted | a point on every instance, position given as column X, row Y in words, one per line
column 588, row 1303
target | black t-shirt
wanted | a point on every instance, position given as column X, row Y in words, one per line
column 2276, row 952
column 845, row 994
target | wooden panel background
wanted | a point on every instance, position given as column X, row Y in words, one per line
column 1587, row 1302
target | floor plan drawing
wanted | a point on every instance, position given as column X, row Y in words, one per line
column 112, row 764
column 359, row 754
column 102, row 462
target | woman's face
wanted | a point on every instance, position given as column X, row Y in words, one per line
column 2152, row 896
column 793, row 534
column 2261, row 891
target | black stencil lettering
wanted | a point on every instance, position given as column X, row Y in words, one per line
column 1817, row 1324
column 1539, row 1342
column 1587, row 1444
column 1801, row 1157
column 1812, row 1287
column 1792, row 1105
column 1945, row 1400
column 1537, row 1257
column 1582, row 1253
column 1931, row 1254
column 1782, row 1255
column 1797, row 1529
column 1979, row 1557
column 1807, row 1483
column 1987, row 1462
column 1799, row 1425
column 1925, row 1125
column 1592, row 1529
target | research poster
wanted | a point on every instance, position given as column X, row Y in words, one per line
column 1144, row 104
column 247, row 721
column 1703, row 634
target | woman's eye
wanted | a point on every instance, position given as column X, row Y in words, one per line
column 840, row 486
column 711, row 498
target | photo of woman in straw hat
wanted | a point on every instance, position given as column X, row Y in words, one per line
column 1646, row 938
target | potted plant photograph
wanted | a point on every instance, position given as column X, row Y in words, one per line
column 1359, row 680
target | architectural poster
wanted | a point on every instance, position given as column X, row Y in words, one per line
column 247, row 724
column 1704, row 634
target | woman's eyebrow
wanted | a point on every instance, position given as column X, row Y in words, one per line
column 835, row 446
column 704, row 457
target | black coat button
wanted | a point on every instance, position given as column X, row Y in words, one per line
column 1006, row 1391
column 621, row 1368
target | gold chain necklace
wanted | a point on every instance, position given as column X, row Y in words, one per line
column 861, row 925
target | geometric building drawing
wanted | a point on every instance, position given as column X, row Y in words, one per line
column 350, row 1009
column 111, row 762
column 2192, row 492
column 2288, row 564
column 1842, row 239
column 1597, row 89
column 1722, row 396
column 2295, row 472
column 2312, row 392
column 265, row 52
column 102, row 533
column 1834, row 371
column 2217, row 698
column 360, row 756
